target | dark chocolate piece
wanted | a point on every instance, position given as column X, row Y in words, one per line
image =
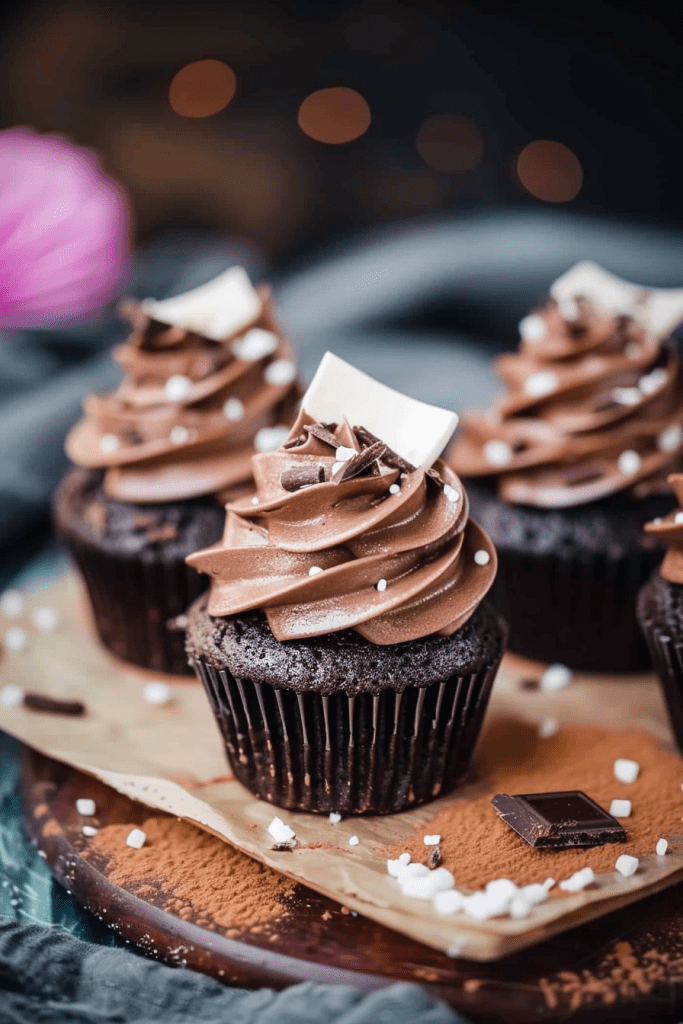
column 53, row 705
column 555, row 821
column 283, row 847
column 435, row 858
column 390, row 458
column 323, row 434
column 357, row 464
column 293, row 478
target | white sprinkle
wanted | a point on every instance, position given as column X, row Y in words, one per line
column 109, row 443
column 519, row 908
column 315, row 570
column 555, row 678
column 180, row 434
column 280, row 371
column 653, row 380
column 549, row 884
column 497, row 453
column 85, row 806
column 45, row 619
column 11, row 696
column 533, row 328
column 394, row 489
column 281, row 832
column 157, row 693
column 177, row 387
column 678, row 518
column 629, row 462
column 254, row 500
column 381, row 585
column 544, row 382
column 354, row 841
column 136, row 838
column 15, row 639
column 447, row 901
column 431, row 840
column 626, row 396
column 661, row 847
column 626, row 865
column 578, row 881
column 343, row 453
column 548, row 728
column 335, row 818
column 12, row 604
column 267, row 439
column 620, row 808
column 482, row 557
column 425, row 887
column 450, row 493
column 398, row 866
column 480, row 906
column 255, row 344
column 233, row 409
column 626, row 770
column 89, row 830
column 670, row 439
column 535, row 893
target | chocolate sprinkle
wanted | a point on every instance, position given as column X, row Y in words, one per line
column 390, row 458
column 357, row 464
column 435, row 858
column 293, row 478
column 53, row 705
column 558, row 820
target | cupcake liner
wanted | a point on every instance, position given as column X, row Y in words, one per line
column 581, row 612
column 667, row 658
column 133, row 599
column 368, row 753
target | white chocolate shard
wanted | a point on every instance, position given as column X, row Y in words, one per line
column 215, row 310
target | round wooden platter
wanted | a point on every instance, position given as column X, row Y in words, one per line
column 606, row 970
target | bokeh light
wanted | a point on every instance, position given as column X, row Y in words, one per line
column 334, row 115
column 202, row 88
column 550, row 171
column 449, row 143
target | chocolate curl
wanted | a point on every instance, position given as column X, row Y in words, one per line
column 357, row 464
column 390, row 458
column 53, row 705
column 323, row 434
column 293, row 478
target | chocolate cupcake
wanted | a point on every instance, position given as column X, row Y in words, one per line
column 344, row 645
column 660, row 610
column 567, row 466
column 208, row 380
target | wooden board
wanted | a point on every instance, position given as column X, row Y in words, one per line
column 171, row 759
column 607, row 970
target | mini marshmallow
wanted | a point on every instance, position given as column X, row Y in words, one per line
column 398, row 866
column 425, row 887
column 482, row 557
column 354, row 841
column 661, row 847
column 157, row 693
column 620, row 808
column 626, row 865
column 315, row 570
column 578, row 881
column 394, row 489
column 11, row 696
column 335, row 818
column 281, row 832
column 431, row 840
column 447, row 901
column 381, row 586
column 85, row 806
column 555, row 677
column 12, row 604
column 136, row 838
column 626, row 770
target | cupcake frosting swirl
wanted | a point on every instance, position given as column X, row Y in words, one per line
column 594, row 405
column 669, row 531
column 190, row 411
column 344, row 534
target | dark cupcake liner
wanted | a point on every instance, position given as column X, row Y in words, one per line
column 134, row 599
column 667, row 659
column 581, row 612
column 369, row 753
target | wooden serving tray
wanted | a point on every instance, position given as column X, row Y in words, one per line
column 626, row 966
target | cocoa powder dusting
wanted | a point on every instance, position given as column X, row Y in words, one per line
column 197, row 876
column 476, row 846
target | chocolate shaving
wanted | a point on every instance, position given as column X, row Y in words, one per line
column 162, row 533
column 293, row 478
column 389, row 458
column 53, row 705
column 323, row 433
column 357, row 464
column 435, row 858
column 295, row 442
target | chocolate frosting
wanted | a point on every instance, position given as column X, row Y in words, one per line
column 377, row 546
column 594, row 406
column 190, row 411
column 670, row 532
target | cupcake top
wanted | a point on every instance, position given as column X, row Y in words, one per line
column 345, row 533
column 209, row 380
column 594, row 401
column 669, row 531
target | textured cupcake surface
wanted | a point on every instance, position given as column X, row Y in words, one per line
column 190, row 411
column 344, row 534
column 594, row 406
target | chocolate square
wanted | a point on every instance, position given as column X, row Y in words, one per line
column 555, row 821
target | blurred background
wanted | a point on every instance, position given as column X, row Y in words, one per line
column 293, row 123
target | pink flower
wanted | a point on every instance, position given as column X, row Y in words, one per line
column 64, row 231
